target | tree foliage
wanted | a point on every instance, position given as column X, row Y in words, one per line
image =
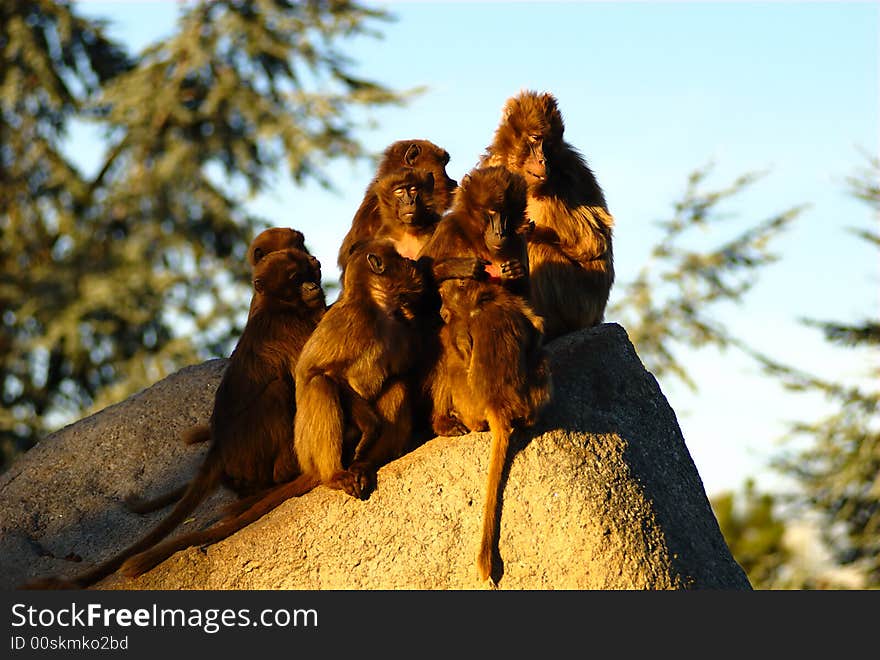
column 673, row 301
column 112, row 280
column 755, row 532
column 836, row 459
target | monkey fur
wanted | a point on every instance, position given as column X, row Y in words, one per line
column 252, row 421
column 267, row 241
column 570, row 250
column 492, row 372
column 354, row 371
column 421, row 154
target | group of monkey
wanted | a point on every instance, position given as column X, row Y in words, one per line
column 448, row 294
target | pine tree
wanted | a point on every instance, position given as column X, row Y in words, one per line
column 141, row 269
column 51, row 61
column 755, row 532
column 836, row 459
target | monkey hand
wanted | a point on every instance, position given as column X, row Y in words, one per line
column 359, row 480
column 527, row 229
column 512, row 270
column 542, row 234
column 447, row 425
column 460, row 268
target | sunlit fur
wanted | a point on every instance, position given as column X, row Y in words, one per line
column 570, row 249
column 408, row 237
column 354, row 369
column 421, row 154
column 492, row 371
column 251, row 424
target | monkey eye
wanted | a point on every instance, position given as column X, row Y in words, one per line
column 535, row 138
column 399, row 191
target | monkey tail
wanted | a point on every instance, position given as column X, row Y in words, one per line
column 197, row 434
column 137, row 504
column 143, row 562
column 501, row 430
column 205, row 481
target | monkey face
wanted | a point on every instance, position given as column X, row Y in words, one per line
column 395, row 283
column 534, row 166
column 425, row 155
column 529, row 134
column 496, row 199
column 291, row 276
column 407, row 195
column 499, row 231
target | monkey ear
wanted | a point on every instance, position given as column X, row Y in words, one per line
column 375, row 262
column 412, row 154
column 258, row 254
column 258, row 285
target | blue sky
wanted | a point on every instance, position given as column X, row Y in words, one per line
column 649, row 91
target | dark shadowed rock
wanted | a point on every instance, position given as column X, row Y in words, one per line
column 602, row 495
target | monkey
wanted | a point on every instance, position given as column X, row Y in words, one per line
column 274, row 239
column 570, row 248
column 267, row 241
column 352, row 404
column 492, row 371
column 252, row 421
column 485, row 215
column 358, row 361
column 494, row 375
column 406, row 209
column 421, row 154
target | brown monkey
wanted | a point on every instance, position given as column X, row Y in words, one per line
column 274, row 239
column 406, row 209
column 252, row 420
column 492, row 370
column 488, row 211
column 570, row 252
column 267, row 241
column 420, row 154
column 358, row 362
column 352, row 403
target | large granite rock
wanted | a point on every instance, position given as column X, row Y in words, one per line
column 602, row 495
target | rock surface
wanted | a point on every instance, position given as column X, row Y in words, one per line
column 603, row 494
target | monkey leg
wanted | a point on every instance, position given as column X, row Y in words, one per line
column 319, row 426
column 395, row 430
column 501, row 431
column 568, row 294
column 367, row 420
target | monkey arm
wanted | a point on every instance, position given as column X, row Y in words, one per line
column 581, row 236
column 459, row 268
